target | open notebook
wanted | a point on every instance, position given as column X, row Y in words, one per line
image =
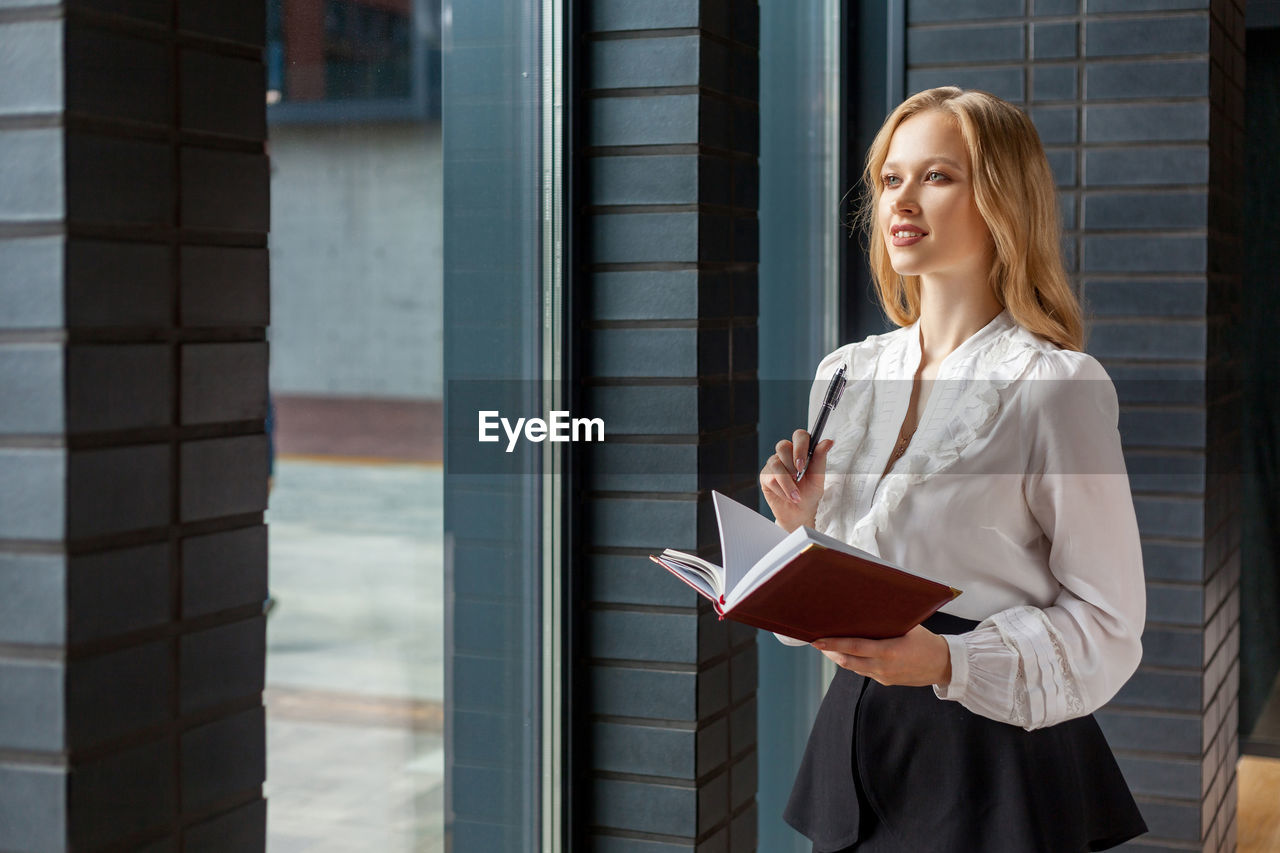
column 804, row 584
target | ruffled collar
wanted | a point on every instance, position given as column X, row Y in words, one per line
column 856, row 503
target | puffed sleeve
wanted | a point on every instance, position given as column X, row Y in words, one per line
column 1035, row 667
column 826, row 369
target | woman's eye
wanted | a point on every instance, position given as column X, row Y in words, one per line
column 936, row 176
column 891, row 180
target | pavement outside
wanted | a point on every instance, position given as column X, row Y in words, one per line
column 355, row 686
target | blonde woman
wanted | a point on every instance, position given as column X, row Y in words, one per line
column 977, row 444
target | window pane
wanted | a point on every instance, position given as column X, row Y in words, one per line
column 801, row 241
column 356, row 626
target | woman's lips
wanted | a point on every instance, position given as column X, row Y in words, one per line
column 907, row 241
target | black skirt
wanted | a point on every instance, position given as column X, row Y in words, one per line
column 898, row 769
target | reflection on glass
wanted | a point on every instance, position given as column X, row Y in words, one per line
column 355, row 631
column 347, row 50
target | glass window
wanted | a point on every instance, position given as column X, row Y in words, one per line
column 406, row 671
column 802, row 243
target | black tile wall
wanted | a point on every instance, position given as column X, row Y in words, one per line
column 649, row 120
column 114, row 490
column 648, row 63
column 113, row 284
column 152, row 11
column 121, row 794
column 1055, row 40
column 1146, row 122
column 1139, row 105
column 241, row 828
column 1158, row 79
column 119, row 76
column 222, row 664
column 111, row 695
column 223, row 382
column 972, row 44
column 1144, row 36
column 117, row 181
column 218, row 95
column 224, row 286
column 224, row 190
column 223, row 759
column 234, row 20
column 604, row 16
column 117, row 591
column 669, row 264
column 929, row 11
column 1006, row 82
column 224, row 570
column 1055, row 7
column 133, row 207
column 1122, row 210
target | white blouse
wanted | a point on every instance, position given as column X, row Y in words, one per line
column 1014, row 490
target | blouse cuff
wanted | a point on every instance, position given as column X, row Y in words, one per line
column 1044, row 678
column 789, row 641
column 955, row 690
column 984, row 674
column 1013, row 668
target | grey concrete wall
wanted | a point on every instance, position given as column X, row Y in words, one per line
column 133, row 367
column 356, row 260
column 1139, row 104
column 669, row 202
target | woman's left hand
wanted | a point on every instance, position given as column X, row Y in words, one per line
column 916, row 659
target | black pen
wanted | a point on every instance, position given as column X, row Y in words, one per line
column 834, row 390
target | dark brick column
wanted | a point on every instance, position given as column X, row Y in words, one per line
column 133, row 378
column 669, row 204
column 1140, row 106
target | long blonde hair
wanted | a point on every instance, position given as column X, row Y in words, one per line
column 1014, row 191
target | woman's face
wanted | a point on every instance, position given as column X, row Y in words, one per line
column 927, row 214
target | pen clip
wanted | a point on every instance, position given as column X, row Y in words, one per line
column 836, row 389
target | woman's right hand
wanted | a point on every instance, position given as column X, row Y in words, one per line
column 794, row 504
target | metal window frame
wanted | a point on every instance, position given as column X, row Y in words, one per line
column 555, row 360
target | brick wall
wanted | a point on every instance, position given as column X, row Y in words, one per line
column 133, row 368
column 669, row 205
column 1139, row 104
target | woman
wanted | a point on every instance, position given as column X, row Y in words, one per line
column 976, row 444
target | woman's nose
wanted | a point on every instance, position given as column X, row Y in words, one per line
column 905, row 204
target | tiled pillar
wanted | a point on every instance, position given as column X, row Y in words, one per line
column 1140, row 106
column 133, row 370
column 671, row 141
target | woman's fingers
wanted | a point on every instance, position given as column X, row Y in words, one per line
column 778, row 482
column 786, row 455
column 800, row 446
column 778, row 479
column 860, row 666
column 818, row 464
column 852, row 646
column 918, row 658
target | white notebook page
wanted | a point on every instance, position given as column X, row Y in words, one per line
column 745, row 537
